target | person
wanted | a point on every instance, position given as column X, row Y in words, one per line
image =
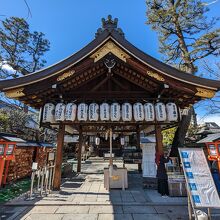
column 162, row 176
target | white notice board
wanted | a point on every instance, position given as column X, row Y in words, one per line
column 200, row 184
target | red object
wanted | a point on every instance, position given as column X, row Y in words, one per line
column 214, row 152
column 6, row 154
column 157, row 157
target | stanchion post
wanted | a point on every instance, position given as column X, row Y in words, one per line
column 31, row 197
column 189, row 207
column 209, row 214
column 50, row 178
column 38, row 181
column 42, row 182
column 46, row 179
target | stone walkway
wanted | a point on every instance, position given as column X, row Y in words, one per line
column 84, row 197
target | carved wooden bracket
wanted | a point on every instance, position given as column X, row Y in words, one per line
column 110, row 47
column 15, row 93
column 205, row 93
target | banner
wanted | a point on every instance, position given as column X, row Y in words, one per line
column 199, row 179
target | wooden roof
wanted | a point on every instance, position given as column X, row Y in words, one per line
column 86, row 75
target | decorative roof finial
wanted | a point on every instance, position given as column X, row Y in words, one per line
column 110, row 25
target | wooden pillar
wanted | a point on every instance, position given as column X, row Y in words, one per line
column 79, row 150
column 138, row 145
column 159, row 139
column 59, row 157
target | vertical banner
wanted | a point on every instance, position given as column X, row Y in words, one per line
column 199, row 179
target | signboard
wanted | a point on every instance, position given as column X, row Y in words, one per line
column 200, row 184
column 51, row 156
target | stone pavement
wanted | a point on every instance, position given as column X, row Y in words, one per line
column 84, row 197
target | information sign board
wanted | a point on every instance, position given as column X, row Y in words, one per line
column 200, row 184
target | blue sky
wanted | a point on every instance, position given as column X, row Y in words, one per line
column 70, row 25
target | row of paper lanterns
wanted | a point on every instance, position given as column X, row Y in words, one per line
column 114, row 112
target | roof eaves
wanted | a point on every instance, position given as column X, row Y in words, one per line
column 56, row 68
column 162, row 67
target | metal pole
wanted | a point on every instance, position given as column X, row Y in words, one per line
column 46, row 179
column 110, row 159
column 38, row 181
column 189, row 207
column 32, row 185
column 209, row 214
column 53, row 172
column 42, row 182
column 110, row 137
column 50, row 178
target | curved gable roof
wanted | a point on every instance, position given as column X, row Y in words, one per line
column 110, row 31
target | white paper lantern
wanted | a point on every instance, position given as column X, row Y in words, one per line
column 172, row 111
column 97, row 140
column 122, row 141
column 93, row 112
column 115, row 112
column 126, row 112
column 160, row 111
column 82, row 112
column 60, row 112
column 70, row 113
column 114, row 136
column 149, row 112
column 138, row 111
column 48, row 113
column 104, row 112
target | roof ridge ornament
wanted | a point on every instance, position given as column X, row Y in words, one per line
column 110, row 25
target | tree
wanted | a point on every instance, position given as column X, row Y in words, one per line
column 168, row 136
column 21, row 50
column 13, row 120
column 212, row 69
column 185, row 36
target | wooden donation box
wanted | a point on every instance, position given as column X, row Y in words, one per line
column 119, row 178
column 177, row 185
column 176, row 179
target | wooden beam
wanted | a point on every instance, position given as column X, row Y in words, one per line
column 118, row 83
column 108, row 123
column 100, row 84
column 172, row 82
column 102, row 95
column 46, row 84
column 132, row 80
column 79, row 156
column 159, row 139
column 59, row 157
